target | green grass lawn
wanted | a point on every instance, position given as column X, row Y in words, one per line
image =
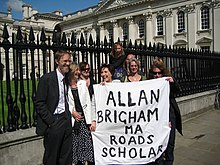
column 28, row 102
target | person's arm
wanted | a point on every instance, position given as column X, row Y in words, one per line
column 93, row 108
column 41, row 101
column 174, row 86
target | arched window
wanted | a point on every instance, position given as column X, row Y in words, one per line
column 125, row 30
column 141, row 28
column 181, row 21
column 205, row 17
column 110, row 32
column 159, row 25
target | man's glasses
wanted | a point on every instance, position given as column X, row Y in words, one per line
column 155, row 73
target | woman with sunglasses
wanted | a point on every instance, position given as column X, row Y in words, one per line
column 158, row 70
column 84, row 69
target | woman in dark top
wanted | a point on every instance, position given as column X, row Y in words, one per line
column 158, row 70
column 117, row 60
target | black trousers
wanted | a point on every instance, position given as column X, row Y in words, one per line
column 169, row 152
column 167, row 158
column 58, row 142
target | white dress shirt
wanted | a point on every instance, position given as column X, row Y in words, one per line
column 61, row 104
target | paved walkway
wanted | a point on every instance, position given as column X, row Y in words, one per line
column 200, row 144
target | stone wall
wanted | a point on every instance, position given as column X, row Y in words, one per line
column 192, row 105
column 24, row 147
column 21, row 147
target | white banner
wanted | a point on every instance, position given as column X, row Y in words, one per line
column 132, row 122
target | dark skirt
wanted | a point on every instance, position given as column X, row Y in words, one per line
column 82, row 145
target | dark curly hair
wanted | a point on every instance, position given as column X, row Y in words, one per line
column 109, row 68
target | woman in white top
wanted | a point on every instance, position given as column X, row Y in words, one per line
column 83, row 117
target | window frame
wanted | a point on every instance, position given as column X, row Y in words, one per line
column 205, row 18
column 141, row 28
column 181, row 22
column 160, row 28
column 110, row 32
column 125, row 30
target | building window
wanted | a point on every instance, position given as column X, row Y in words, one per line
column 110, row 32
column 205, row 48
column 205, row 17
column 181, row 21
column 159, row 25
column 125, row 30
column 141, row 28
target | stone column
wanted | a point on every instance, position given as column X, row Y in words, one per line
column 216, row 23
column 148, row 28
column 102, row 31
column 132, row 30
column 191, row 25
column 169, row 30
column 115, row 30
column 94, row 31
column 85, row 32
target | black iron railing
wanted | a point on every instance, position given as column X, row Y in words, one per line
column 27, row 58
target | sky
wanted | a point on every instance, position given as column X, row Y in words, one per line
column 46, row 6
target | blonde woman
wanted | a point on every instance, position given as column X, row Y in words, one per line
column 83, row 117
column 133, row 70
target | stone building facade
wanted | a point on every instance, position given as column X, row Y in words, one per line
column 190, row 24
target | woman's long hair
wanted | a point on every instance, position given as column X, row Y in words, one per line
column 73, row 68
column 114, row 53
column 158, row 63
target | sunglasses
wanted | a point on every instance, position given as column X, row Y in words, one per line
column 86, row 69
column 154, row 73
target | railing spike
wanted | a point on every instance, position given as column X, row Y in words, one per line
column 135, row 44
column 54, row 38
column 64, row 40
column 105, row 42
column 130, row 44
column 5, row 34
column 124, row 43
column 42, row 36
column 31, row 35
column 82, row 40
column 90, row 40
column 73, row 38
column 119, row 39
column 19, row 35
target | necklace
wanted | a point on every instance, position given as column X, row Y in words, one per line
column 135, row 78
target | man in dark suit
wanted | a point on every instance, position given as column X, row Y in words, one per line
column 54, row 118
